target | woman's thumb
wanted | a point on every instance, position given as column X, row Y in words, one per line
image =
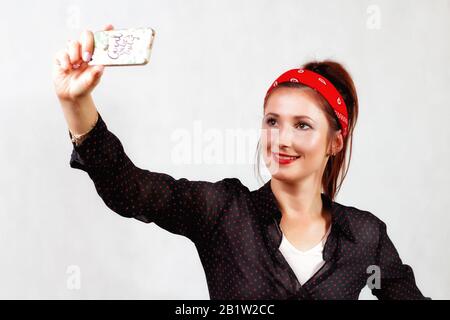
column 93, row 75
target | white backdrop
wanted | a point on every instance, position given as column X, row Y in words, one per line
column 211, row 64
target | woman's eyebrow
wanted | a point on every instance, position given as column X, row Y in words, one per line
column 295, row 117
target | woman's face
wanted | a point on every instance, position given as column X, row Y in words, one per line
column 295, row 125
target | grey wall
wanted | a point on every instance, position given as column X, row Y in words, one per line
column 212, row 62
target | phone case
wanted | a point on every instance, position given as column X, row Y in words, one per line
column 126, row 47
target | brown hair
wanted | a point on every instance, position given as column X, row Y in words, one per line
column 336, row 168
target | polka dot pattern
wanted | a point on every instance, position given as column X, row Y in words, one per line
column 236, row 231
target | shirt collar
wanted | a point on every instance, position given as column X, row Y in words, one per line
column 269, row 208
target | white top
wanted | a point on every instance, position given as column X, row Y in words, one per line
column 304, row 263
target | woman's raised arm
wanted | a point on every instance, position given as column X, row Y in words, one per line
column 189, row 208
column 181, row 206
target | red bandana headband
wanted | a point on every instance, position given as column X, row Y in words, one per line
column 323, row 86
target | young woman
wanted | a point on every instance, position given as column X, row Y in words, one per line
column 285, row 240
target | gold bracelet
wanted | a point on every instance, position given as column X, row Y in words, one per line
column 79, row 138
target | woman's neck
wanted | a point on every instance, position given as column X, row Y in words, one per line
column 299, row 201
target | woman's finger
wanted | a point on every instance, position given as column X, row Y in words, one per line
column 87, row 45
column 108, row 27
column 73, row 49
column 63, row 60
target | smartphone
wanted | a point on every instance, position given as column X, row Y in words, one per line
column 126, row 47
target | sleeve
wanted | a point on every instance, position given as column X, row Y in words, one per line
column 180, row 206
column 397, row 279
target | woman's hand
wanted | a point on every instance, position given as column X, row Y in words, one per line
column 73, row 78
column 74, row 81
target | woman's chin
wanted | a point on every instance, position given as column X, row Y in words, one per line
column 283, row 172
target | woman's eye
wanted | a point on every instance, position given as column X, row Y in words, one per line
column 269, row 121
column 302, row 125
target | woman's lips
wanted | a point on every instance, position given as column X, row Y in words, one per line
column 284, row 159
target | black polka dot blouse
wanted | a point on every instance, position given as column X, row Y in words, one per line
column 236, row 231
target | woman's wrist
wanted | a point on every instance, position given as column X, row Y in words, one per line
column 79, row 138
column 81, row 115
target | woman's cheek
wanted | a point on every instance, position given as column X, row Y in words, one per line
column 310, row 149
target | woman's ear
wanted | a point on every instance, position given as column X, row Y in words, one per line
column 338, row 142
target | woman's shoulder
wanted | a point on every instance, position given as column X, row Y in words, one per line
column 361, row 215
column 365, row 225
column 226, row 187
column 233, row 184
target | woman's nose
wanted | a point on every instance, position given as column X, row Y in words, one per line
column 283, row 136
